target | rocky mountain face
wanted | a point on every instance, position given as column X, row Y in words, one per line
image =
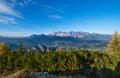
column 84, row 35
column 44, row 48
column 62, row 39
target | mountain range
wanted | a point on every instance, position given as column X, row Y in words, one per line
column 60, row 39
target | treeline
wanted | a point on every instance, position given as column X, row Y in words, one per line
column 78, row 61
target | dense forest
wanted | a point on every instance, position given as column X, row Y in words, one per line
column 94, row 64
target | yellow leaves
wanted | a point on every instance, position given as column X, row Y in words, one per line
column 111, row 53
column 4, row 49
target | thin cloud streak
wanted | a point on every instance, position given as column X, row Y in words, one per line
column 49, row 7
column 12, row 3
column 8, row 10
column 55, row 17
column 24, row 2
column 7, row 20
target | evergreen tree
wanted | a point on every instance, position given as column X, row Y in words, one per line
column 114, row 44
column 21, row 47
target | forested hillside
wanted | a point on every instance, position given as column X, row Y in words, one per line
column 93, row 64
column 97, row 64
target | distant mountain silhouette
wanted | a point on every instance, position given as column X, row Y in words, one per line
column 61, row 39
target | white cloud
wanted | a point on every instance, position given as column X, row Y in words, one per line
column 24, row 2
column 21, row 4
column 52, row 8
column 7, row 20
column 12, row 3
column 7, row 12
column 55, row 17
column 7, row 9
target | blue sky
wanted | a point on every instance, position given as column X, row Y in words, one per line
column 26, row 17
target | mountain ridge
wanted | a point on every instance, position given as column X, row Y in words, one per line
column 61, row 39
column 78, row 34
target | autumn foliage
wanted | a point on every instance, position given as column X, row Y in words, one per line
column 4, row 49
